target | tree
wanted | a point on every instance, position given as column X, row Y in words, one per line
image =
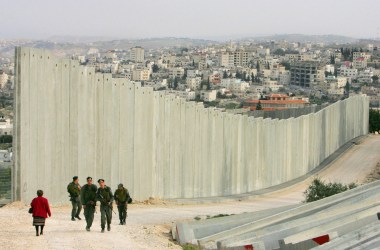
column 319, row 190
column 258, row 66
column 374, row 120
column 225, row 75
column 279, row 52
column 347, row 89
column 175, row 83
column 375, row 78
column 155, row 68
column 238, row 74
column 258, row 106
column 6, row 139
column 332, row 59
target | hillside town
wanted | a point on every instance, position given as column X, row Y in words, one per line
column 236, row 76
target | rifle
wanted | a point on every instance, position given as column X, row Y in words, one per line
column 105, row 202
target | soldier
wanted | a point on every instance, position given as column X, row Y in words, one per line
column 88, row 198
column 104, row 195
column 121, row 198
column 74, row 190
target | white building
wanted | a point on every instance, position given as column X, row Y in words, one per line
column 284, row 78
column 348, row 72
column 192, row 73
column 365, row 76
column 6, row 127
column 140, row 75
column 188, row 95
column 235, row 85
column 208, row 96
column 272, row 86
column 193, row 82
column 137, row 54
column 330, row 68
column 176, row 72
column 3, row 79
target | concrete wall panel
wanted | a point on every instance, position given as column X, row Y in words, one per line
column 89, row 124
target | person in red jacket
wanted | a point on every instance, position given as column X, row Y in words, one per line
column 41, row 210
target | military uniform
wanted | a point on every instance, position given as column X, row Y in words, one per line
column 104, row 195
column 74, row 191
column 88, row 198
column 121, row 198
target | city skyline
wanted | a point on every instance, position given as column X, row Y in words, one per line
column 193, row 19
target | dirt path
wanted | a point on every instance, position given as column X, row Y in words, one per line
column 148, row 226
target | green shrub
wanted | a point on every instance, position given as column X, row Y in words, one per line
column 190, row 247
column 319, row 189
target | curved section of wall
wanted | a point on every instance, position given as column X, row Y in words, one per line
column 70, row 121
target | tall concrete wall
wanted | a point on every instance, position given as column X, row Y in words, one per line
column 286, row 114
column 70, row 121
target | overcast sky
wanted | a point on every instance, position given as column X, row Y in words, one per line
column 40, row 19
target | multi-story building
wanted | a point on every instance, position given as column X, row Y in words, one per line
column 235, row 85
column 193, row 82
column 357, row 55
column 140, row 75
column 284, row 78
column 306, row 73
column 176, row 72
column 192, row 73
column 359, row 63
column 348, row 72
column 137, row 54
column 208, row 96
column 365, row 76
column 224, row 59
column 214, row 78
column 234, row 58
column 3, row 79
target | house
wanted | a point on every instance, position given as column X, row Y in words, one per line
column 275, row 104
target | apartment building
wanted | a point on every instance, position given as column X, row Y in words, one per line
column 140, row 75
column 348, row 72
column 193, row 82
column 137, row 54
column 234, row 58
column 306, row 73
column 176, row 72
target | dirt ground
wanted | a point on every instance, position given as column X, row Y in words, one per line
column 149, row 223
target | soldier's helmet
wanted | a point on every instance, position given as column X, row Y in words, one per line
column 120, row 185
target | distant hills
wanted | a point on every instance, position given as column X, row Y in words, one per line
column 304, row 38
column 63, row 45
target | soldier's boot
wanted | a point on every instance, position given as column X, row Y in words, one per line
column 72, row 218
column 121, row 222
column 88, row 229
column 79, row 218
column 102, row 230
column 108, row 227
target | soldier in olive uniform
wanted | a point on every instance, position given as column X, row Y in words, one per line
column 74, row 190
column 88, row 198
column 104, row 195
column 121, row 198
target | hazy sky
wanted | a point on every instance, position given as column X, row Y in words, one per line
column 187, row 18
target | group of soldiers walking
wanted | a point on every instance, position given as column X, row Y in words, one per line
column 89, row 194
